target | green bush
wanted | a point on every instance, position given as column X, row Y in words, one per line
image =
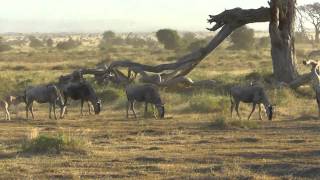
column 222, row 123
column 169, row 38
column 35, row 42
column 45, row 144
column 242, row 38
column 5, row 47
column 197, row 44
column 70, row 44
column 110, row 95
column 263, row 42
column 108, row 35
column 49, row 42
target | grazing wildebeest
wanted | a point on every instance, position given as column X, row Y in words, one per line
column 250, row 94
column 315, row 76
column 43, row 94
column 65, row 81
column 82, row 91
column 144, row 93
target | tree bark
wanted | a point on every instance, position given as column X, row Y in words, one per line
column 281, row 29
column 317, row 40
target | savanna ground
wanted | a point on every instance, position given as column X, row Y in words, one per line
column 197, row 140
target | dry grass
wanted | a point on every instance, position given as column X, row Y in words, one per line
column 186, row 145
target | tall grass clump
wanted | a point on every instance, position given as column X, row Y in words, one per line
column 46, row 144
column 205, row 103
column 221, row 122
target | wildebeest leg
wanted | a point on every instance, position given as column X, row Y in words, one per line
column 253, row 108
column 81, row 107
column 318, row 102
column 31, row 110
column 145, row 109
column 231, row 108
column 132, row 108
column 127, row 109
column 16, row 109
column 7, row 114
column 65, row 111
column 237, row 109
column 50, row 108
column 27, row 109
column 260, row 112
column 154, row 108
column 89, row 106
column 54, row 110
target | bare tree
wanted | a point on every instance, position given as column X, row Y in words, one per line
column 312, row 13
column 281, row 29
column 281, row 16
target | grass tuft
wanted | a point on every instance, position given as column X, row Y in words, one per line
column 222, row 123
column 45, row 144
column 206, row 104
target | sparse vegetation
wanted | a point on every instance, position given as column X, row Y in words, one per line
column 198, row 139
column 35, row 42
column 242, row 38
column 67, row 45
column 205, row 103
column 45, row 144
column 49, row 42
column 222, row 123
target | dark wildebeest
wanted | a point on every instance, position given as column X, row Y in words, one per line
column 144, row 93
column 82, row 91
column 43, row 94
column 250, row 94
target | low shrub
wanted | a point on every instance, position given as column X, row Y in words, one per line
column 45, row 144
column 5, row 47
column 206, row 103
column 222, row 123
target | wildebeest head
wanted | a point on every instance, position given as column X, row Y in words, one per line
column 97, row 107
column 269, row 111
column 96, row 103
column 160, row 108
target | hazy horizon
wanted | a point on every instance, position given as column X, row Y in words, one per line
column 84, row 16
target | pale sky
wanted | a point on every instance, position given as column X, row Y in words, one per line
column 116, row 15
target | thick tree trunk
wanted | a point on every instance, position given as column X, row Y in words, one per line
column 281, row 30
column 317, row 40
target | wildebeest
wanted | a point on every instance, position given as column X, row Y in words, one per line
column 144, row 93
column 44, row 94
column 250, row 94
column 5, row 107
column 315, row 76
column 9, row 101
column 82, row 91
